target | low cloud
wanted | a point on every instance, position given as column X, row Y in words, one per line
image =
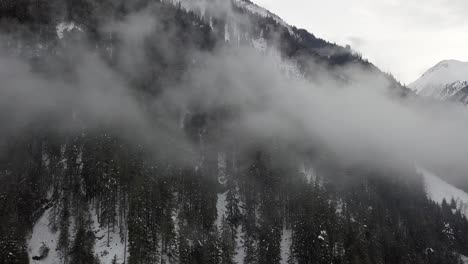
column 359, row 121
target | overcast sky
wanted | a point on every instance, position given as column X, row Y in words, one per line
column 404, row 37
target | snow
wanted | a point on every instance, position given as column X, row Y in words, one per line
column 442, row 81
column 66, row 27
column 239, row 254
column 323, row 234
column 175, row 217
column 108, row 243
column 255, row 9
column 464, row 259
column 438, row 190
column 200, row 5
column 286, row 241
column 339, row 207
column 309, row 173
column 43, row 235
column 239, row 250
column 45, row 159
column 227, row 35
column 211, row 24
column 221, row 209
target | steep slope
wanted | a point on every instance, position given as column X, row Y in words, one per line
column 116, row 199
column 438, row 190
column 443, row 81
column 42, row 245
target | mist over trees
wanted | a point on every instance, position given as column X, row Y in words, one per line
column 108, row 141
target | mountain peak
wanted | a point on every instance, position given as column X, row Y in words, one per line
column 447, row 64
column 450, row 62
column 442, row 81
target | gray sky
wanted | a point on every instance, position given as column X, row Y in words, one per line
column 404, row 37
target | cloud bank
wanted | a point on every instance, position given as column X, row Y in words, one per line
column 359, row 122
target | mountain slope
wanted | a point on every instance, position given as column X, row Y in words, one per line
column 439, row 190
column 443, row 81
column 188, row 186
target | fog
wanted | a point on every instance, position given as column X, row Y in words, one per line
column 360, row 121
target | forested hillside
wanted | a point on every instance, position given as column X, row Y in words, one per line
column 93, row 172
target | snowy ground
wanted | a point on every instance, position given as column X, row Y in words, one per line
column 42, row 235
column 108, row 243
column 438, row 190
column 221, row 209
column 66, row 27
column 239, row 254
column 255, row 9
column 286, row 241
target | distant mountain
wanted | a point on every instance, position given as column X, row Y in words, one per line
column 448, row 80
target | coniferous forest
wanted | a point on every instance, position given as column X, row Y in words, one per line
column 112, row 192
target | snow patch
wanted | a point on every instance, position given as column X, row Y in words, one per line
column 323, row 235
column 44, row 238
column 221, row 209
column 286, row 242
column 66, row 27
column 309, row 173
column 438, row 190
column 45, row 159
column 211, row 24
column 239, row 254
column 200, row 5
column 255, row 9
column 108, row 242
column 339, row 207
column 464, row 259
column 227, row 35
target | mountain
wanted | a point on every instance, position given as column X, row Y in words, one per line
column 143, row 132
column 443, row 193
column 447, row 80
column 438, row 190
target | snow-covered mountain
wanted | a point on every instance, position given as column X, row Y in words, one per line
column 438, row 190
column 96, row 195
column 444, row 81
